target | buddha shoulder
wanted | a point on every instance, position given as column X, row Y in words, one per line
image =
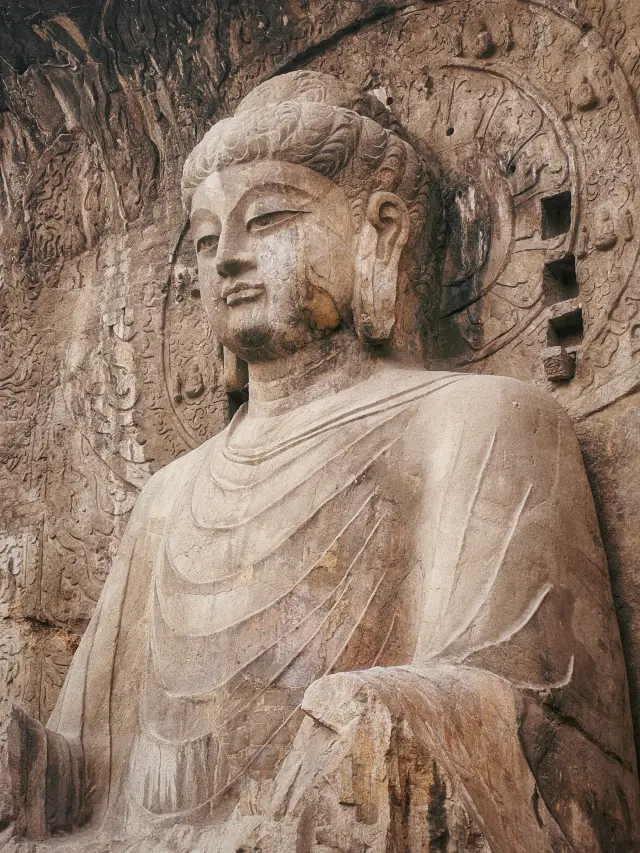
column 161, row 490
column 482, row 405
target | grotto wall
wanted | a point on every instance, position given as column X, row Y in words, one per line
column 109, row 370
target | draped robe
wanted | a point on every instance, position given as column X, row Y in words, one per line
column 438, row 521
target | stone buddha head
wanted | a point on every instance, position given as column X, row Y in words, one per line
column 312, row 215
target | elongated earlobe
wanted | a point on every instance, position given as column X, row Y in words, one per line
column 381, row 241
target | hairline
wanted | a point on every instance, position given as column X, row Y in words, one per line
column 270, row 184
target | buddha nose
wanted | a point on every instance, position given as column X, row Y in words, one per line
column 230, row 263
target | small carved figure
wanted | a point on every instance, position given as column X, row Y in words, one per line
column 606, row 237
column 584, row 243
column 485, row 46
column 583, row 96
column 457, row 39
column 629, row 231
column 194, row 384
column 375, row 610
column 506, row 34
column 178, row 394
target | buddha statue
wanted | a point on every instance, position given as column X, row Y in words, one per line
column 374, row 613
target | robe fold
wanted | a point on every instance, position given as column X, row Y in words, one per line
column 435, row 521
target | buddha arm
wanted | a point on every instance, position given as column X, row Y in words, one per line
column 508, row 537
column 501, row 704
column 443, row 727
column 517, row 618
column 41, row 777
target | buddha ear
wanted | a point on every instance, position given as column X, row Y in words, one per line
column 380, row 243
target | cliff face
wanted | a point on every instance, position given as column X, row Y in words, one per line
column 108, row 368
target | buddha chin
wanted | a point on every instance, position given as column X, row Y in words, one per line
column 251, row 333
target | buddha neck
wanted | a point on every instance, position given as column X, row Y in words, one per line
column 322, row 368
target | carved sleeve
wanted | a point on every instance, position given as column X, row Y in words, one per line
column 517, row 597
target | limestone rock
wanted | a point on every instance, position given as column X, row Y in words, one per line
column 527, row 117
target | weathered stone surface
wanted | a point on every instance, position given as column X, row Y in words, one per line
column 374, row 611
column 558, row 364
column 531, row 111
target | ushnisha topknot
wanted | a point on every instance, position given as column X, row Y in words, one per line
column 314, row 87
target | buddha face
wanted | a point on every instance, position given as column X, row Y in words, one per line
column 276, row 249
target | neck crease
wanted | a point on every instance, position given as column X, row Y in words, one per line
column 322, row 368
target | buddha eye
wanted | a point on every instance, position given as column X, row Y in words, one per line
column 209, row 241
column 265, row 220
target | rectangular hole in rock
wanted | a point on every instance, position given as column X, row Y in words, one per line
column 560, row 281
column 566, row 330
column 556, row 215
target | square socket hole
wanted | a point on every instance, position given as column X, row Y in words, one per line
column 556, row 215
column 566, row 330
column 560, row 281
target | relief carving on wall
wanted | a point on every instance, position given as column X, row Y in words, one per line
column 531, row 110
column 370, row 608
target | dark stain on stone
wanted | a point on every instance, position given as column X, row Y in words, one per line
column 437, row 813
